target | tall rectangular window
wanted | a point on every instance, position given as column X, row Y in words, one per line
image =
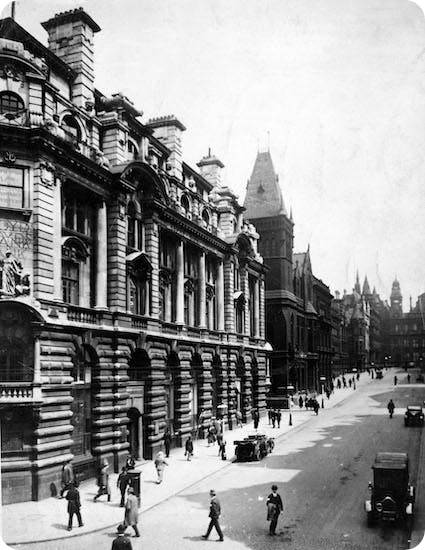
column 70, row 282
column 12, row 182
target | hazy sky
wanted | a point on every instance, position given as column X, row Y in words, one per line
column 339, row 84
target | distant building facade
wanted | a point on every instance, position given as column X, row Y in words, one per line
column 404, row 344
column 132, row 291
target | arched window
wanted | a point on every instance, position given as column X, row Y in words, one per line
column 185, row 203
column 205, row 218
column 74, row 255
column 16, row 346
column 11, row 104
column 135, row 228
column 71, row 127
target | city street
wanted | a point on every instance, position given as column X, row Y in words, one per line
column 322, row 469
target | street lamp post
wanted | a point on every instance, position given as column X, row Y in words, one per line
column 322, row 381
column 288, row 389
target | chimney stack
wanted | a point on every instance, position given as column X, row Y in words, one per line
column 168, row 129
column 210, row 168
column 71, row 36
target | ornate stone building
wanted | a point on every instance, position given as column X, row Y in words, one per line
column 132, row 291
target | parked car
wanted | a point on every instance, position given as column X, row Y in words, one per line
column 392, row 496
column 414, row 416
column 379, row 374
column 253, row 447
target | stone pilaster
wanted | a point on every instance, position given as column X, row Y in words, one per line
column 229, row 315
column 152, row 251
column 117, row 269
column 202, row 290
column 180, row 284
column 101, row 257
column 220, row 296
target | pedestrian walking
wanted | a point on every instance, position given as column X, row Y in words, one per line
column 214, row 515
column 67, row 477
column 269, row 415
column 103, row 482
column 188, row 448
column 408, row 378
column 219, row 442
column 338, row 384
column 350, row 382
column 344, row 382
column 131, row 512
column 121, row 542
column 160, row 464
column 274, row 508
column 222, row 451
column 122, row 483
column 74, row 505
column 273, row 418
column 391, row 407
column 278, row 417
column 316, row 406
column 211, row 435
column 300, row 402
column 358, row 376
column 372, row 374
column 167, row 441
column 256, row 418
column 395, row 380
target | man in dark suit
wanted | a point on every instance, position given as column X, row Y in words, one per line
column 121, row 542
column 274, row 508
column 74, row 505
column 122, row 482
column 215, row 511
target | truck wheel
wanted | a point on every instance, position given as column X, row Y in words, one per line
column 370, row 519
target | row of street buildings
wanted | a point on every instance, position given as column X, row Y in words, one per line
column 136, row 291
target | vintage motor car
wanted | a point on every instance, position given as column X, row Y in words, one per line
column 253, row 447
column 414, row 416
column 392, row 496
column 379, row 374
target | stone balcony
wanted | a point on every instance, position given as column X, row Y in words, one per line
column 19, row 392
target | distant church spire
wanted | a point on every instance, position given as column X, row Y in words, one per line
column 396, row 300
column 366, row 287
column 357, row 285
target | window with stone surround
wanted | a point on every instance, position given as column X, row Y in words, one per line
column 211, row 278
column 75, row 278
column 135, row 228
column 13, row 187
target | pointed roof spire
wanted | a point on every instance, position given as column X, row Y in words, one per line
column 357, row 285
column 263, row 194
column 366, row 287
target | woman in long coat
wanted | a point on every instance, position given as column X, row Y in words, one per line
column 132, row 511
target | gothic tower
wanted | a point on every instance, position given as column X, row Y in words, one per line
column 396, row 300
column 264, row 204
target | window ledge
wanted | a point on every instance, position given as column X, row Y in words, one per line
column 25, row 212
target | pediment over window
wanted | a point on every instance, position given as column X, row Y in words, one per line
column 74, row 248
column 138, row 263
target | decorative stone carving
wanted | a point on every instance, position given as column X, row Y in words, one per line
column 14, row 282
column 47, row 174
column 8, row 157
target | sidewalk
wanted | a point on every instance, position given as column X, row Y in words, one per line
column 28, row 522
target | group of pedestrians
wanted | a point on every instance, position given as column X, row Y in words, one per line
column 275, row 417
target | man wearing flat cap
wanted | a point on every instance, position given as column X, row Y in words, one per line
column 215, row 511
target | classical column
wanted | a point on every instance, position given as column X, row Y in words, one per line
column 220, row 296
column 180, row 284
column 245, row 289
column 37, row 366
column 202, row 290
column 256, row 306
column 57, row 241
column 101, row 257
column 262, row 308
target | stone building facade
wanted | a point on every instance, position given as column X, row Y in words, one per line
column 132, row 292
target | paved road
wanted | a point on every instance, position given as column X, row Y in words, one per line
column 322, row 469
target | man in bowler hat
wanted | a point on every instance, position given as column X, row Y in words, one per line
column 121, row 542
column 215, row 511
column 274, row 508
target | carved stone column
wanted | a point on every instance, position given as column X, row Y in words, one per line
column 101, row 258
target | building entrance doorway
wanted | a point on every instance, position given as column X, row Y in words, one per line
column 135, row 432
